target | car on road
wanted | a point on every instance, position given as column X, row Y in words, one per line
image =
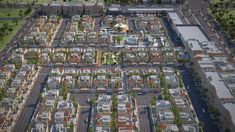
column 88, row 100
column 198, row 84
column 203, row 110
column 143, row 112
column 86, row 120
column 188, row 87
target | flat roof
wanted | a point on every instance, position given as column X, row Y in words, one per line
column 150, row 9
column 231, row 108
column 221, row 89
column 192, row 32
column 175, row 18
column 194, row 45
column 114, row 9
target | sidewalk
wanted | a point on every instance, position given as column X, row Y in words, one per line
column 98, row 60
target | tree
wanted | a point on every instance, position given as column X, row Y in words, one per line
column 91, row 129
column 153, row 100
column 75, row 103
column 40, row 96
column 20, row 13
column 5, row 26
column 201, row 124
column 28, row 127
column 119, row 39
column 10, row 29
column 64, row 92
column 71, row 126
column 2, row 94
column 8, row 14
column 15, row 21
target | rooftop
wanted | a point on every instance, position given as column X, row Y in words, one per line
column 194, row 45
column 231, row 108
column 222, row 90
column 175, row 18
column 150, row 9
column 192, row 32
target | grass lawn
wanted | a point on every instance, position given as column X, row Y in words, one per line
column 231, row 11
column 223, row 20
column 217, row 1
column 14, row 13
column 39, row 1
column 110, row 58
column 7, row 37
column 29, row 1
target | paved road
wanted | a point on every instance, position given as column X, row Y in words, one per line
column 198, row 4
column 84, row 111
column 172, row 34
column 31, row 102
column 142, row 103
column 60, row 32
column 97, row 24
column 198, row 103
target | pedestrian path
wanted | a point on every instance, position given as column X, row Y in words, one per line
column 99, row 57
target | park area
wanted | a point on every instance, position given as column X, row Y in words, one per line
column 10, row 22
column 24, row 1
column 110, row 58
column 224, row 12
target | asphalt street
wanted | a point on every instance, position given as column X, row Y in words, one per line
column 142, row 103
column 31, row 102
column 84, row 109
column 60, row 32
column 198, row 103
column 198, row 4
column 172, row 34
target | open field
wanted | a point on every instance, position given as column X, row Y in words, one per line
column 10, row 13
column 7, row 35
column 25, row 1
column 39, row 1
column 217, row 1
column 8, row 28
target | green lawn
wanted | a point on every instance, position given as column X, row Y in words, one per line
column 230, row 12
column 110, row 58
column 8, row 35
column 217, row 1
column 29, row 1
column 223, row 17
column 39, row 1
column 13, row 13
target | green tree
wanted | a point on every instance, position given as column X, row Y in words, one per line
column 2, row 94
column 153, row 100
column 28, row 127
column 10, row 29
column 71, row 126
column 201, row 124
column 8, row 14
column 64, row 92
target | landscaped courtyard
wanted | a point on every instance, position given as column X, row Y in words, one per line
column 110, row 58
